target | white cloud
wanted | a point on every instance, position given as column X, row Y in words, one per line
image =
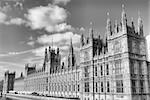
column 15, row 21
column 55, row 38
column 39, row 51
column 51, row 18
column 3, row 17
column 61, row 1
column 31, row 43
column 15, row 53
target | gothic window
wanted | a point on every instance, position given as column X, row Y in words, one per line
column 78, row 87
column 117, row 47
column 102, row 87
column 86, row 86
column 119, row 86
column 133, row 86
column 140, row 68
column 107, row 69
column 101, row 70
column 142, row 86
column 96, row 87
column 86, row 71
column 46, row 88
column 108, row 87
column 95, row 70
column 118, row 67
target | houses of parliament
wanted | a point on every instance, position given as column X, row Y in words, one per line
column 113, row 68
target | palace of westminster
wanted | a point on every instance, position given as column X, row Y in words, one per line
column 114, row 68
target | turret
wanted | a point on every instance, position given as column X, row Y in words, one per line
column 91, row 36
column 140, row 25
column 57, row 51
column 71, row 56
column 108, row 26
column 82, row 40
column 132, row 25
column 46, row 55
column 124, row 20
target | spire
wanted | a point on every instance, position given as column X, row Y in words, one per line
column 71, row 57
column 49, row 48
column 116, row 26
column 132, row 22
column 71, row 46
column 91, row 30
column 124, row 19
column 82, row 40
column 108, row 26
column 46, row 55
column 58, row 51
column 140, row 24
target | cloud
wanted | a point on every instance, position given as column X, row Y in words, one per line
column 39, row 51
column 15, row 21
column 10, row 64
column 15, row 53
column 61, row 1
column 31, row 43
column 51, row 18
column 55, row 38
column 3, row 17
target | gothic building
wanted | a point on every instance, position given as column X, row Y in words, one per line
column 115, row 68
column 19, row 84
column 64, row 81
column 8, row 84
column 35, row 80
column 54, row 79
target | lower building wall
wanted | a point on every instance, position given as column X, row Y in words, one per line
column 106, row 97
column 19, row 85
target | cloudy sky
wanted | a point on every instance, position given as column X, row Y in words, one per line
column 28, row 26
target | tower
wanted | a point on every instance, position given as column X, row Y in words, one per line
column 128, row 59
column 122, row 65
column 124, row 20
column 9, row 79
column 71, row 56
column 108, row 26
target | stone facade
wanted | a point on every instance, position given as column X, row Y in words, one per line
column 1, row 85
column 19, row 84
column 35, row 80
column 8, row 82
column 115, row 68
column 54, row 79
column 64, row 81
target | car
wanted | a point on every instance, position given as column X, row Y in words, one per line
column 35, row 93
